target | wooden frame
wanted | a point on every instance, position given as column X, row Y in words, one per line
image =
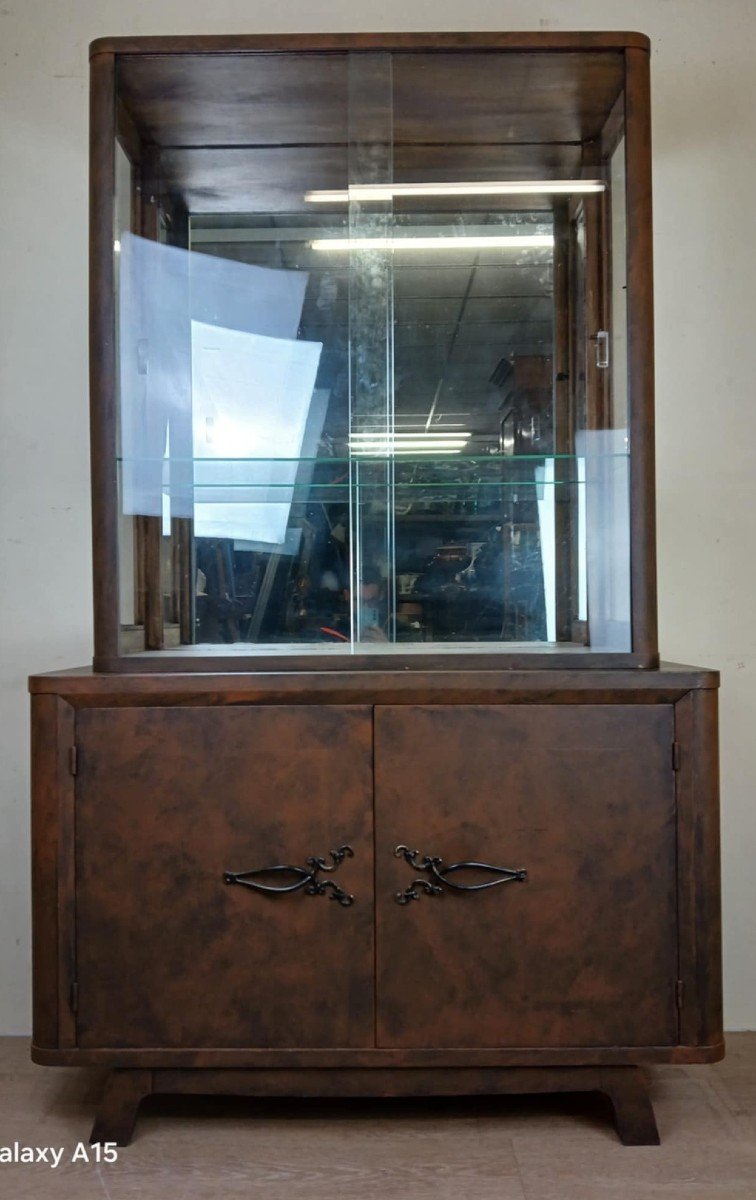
column 104, row 53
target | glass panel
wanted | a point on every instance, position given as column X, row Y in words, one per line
column 372, row 375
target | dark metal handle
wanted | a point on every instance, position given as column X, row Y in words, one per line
column 301, row 878
column 439, row 873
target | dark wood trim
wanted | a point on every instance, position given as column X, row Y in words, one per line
column 627, row 1091
column 152, row 567
column 102, row 360
column 84, row 689
column 699, row 874
column 625, row 1088
column 524, row 1056
column 640, row 334
column 66, row 897
column 614, row 128
column 277, row 42
column 53, row 946
column 128, row 134
column 44, row 867
column 564, row 527
column 193, row 663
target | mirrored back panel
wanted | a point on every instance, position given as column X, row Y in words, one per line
column 372, row 365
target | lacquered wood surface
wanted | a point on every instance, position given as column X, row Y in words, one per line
column 168, row 800
column 250, row 43
column 583, row 951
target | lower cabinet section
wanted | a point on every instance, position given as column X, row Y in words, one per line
column 373, row 888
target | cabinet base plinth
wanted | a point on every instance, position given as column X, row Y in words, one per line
column 625, row 1088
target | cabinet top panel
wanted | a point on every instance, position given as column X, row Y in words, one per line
column 250, row 43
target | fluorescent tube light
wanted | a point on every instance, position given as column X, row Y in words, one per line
column 381, row 435
column 389, row 445
column 392, row 451
column 503, row 242
column 522, row 187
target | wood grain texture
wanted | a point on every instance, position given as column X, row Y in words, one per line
column 584, row 950
column 699, row 867
column 102, row 358
column 625, row 1087
column 640, row 351
column 514, row 660
column 299, row 42
column 44, row 866
column 207, row 1058
column 83, row 688
column 633, row 1112
column 117, row 1113
column 168, row 953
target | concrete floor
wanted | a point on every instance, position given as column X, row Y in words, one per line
column 509, row 1148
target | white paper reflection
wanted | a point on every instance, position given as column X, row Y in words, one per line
column 251, row 402
column 607, row 536
column 210, row 368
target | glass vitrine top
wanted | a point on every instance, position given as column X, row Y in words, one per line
column 372, row 361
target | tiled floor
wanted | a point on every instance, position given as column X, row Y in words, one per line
column 510, row 1148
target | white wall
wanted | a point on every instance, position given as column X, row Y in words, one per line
column 704, row 93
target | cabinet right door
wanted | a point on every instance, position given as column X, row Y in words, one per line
column 582, row 951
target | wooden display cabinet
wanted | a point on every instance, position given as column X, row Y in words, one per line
column 376, row 786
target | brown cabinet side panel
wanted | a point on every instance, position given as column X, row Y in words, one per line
column 696, row 725
column 52, row 738
column 169, row 955
column 44, row 864
column 584, row 951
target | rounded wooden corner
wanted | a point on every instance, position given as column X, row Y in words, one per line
column 713, row 1052
column 637, row 41
column 45, row 1056
column 102, row 45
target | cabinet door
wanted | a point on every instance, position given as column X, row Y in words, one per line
column 580, row 952
column 168, row 953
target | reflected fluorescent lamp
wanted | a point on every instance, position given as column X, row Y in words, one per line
column 449, row 444
column 522, row 187
column 380, row 435
column 380, row 444
column 390, row 451
column 526, row 242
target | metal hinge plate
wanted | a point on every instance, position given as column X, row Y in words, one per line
column 679, row 993
column 73, row 759
column 74, row 997
column 676, row 756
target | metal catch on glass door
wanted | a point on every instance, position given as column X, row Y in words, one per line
column 300, row 878
column 439, row 876
column 602, row 349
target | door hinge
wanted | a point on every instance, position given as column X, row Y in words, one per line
column 675, row 756
column 74, row 997
column 73, row 759
column 679, row 993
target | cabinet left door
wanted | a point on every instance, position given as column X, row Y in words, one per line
column 170, row 800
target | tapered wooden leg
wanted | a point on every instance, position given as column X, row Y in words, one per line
column 116, row 1116
column 634, row 1117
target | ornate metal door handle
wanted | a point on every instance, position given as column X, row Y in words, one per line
column 441, row 874
column 300, row 878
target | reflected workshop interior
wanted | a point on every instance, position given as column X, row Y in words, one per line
column 372, row 384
